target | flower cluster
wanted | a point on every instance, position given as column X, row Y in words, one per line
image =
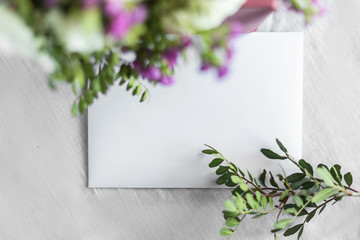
column 94, row 43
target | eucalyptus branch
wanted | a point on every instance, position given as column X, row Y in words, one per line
column 299, row 197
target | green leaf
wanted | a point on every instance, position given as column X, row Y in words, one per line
column 228, row 214
column 323, row 194
column 270, row 154
column 221, row 170
column 251, row 178
column 263, row 177
column 322, row 208
column 281, row 146
column 241, row 172
column 223, row 178
column 89, row 97
column 297, row 185
column 82, row 105
column 226, row 232
column 271, row 202
column 229, row 205
column 233, row 167
column 75, row 109
column 259, row 215
column 103, row 86
column 310, row 216
column 282, row 223
column 237, row 190
column 208, row 151
column 144, row 95
column 348, row 178
column 263, row 202
column 95, row 85
column 295, row 177
column 283, row 195
column 134, row 92
column 215, row 162
column 230, row 183
column 306, row 166
column 291, row 211
column 336, row 174
column 239, row 202
column 273, row 182
column 250, row 200
column 232, row 222
column 236, row 179
column 298, row 201
column 292, row 230
column 258, row 196
column 307, row 185
column 303, row 212
column 300, row 233
column 244, row 187
column 75, row 87
column 122, row 81
column 325, row 175
column 130, row 84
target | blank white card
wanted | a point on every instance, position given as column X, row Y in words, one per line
column 158, row 143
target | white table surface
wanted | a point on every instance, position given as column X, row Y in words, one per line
column 43, row 153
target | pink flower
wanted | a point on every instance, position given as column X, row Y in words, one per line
column 113, row 8
column 167, row 80
column 152, row 73
column 236, row 28
column 222, row 71
column 122, row 20
column 120, row 25
column 171, row 55
column 139, row 14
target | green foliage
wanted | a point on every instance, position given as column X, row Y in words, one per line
column 270, row 154
column 302, row 195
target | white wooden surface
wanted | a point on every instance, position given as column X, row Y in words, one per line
column 43, row 153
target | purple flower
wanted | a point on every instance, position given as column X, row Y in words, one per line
column 120, row 25
column 113, row 8
column 152, row 73
column 205, row 67
column 236, row 28
column 139, row 14
column 137, row 65
column 167, row 80
column 186, row 41
column 229, row 53
column 222, row 71
column 171, row 55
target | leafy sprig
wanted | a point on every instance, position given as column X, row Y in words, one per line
column 301, row 194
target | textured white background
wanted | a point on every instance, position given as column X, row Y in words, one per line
column 43, row 152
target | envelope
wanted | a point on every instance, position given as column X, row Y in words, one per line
column 158, row 143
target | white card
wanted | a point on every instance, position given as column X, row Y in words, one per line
column 158, row 143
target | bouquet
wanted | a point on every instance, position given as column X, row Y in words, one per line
column 93, row 44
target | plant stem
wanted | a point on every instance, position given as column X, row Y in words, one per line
column 237, row 226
